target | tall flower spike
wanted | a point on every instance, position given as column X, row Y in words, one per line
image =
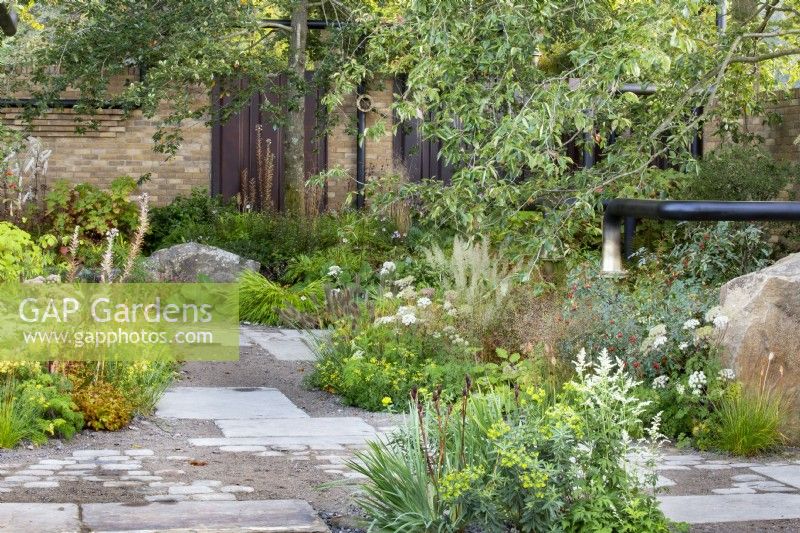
column 107, row 265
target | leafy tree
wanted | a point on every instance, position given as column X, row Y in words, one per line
column 516, row 90
column 184, row 49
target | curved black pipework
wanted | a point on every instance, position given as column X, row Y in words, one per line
column 691, row 210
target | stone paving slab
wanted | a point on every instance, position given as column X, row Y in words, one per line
column 275, row 516
column 39, row 517
column 315, row 443
column 289, row 350
column 210, row 403
column 707, row 509
column 790, row 474
column 330, row 428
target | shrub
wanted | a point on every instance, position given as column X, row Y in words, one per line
column 394, row 343
column 718, row 253
column 20, row 257
column 104, row 406
column 498, row 462
column 277, row 240
column 94, row 210
column 629, row 317
column 168, row 223
column 739, row 173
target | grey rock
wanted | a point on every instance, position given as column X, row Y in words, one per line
column 191, row 261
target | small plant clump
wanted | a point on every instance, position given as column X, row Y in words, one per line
column 104, row 406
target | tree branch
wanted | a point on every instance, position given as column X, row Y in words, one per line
column 766, row 57
column 276, row 26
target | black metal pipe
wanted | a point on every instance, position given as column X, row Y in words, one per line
column 361, row 151
column 691, row 210
column 630, row 232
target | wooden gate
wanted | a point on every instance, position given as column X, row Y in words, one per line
column 234, row 143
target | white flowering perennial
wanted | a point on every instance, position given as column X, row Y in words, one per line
column 334, row 271
column 697, row 380
column 659, row 341
column 408, row 319
column 680, row 388
column 691, row 324
column 727, row 374
column 720, row 321
column 682, row 346
column 424, row 302
column 387, row 269
column 660, row 382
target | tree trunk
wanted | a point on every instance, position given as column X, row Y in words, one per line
column 294, row 143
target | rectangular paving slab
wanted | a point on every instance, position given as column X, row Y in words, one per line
column 210, row 403
column 730, row 507
column 289, row 349
column 275, row 516
column 39, row 517
column 307, row 427
column 789, row 474
column 315, row 443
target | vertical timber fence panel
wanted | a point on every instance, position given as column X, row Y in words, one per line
column 234, row 142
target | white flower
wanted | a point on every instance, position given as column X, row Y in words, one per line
column 408, row 319
column 385, row 320
column 691, row 324
column 334, row 271
column 396, row 235
column 388, row 268
column 407, row 293
column 679, row 387
column 424, row 302
column 659, row 341
column 405, row 310
column 402, row 283
column 344, row 240
column 303, row 298
column 660, row 382
column 388, row 295
column 682, row 346
column 720, row 321
column 697, row 381
column 358, row 354
column 727, row 374
column 447, row 305
column 335, row 291
column 452, row 311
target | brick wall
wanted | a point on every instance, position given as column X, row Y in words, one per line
column 342, row 145
column 124, row 146
column 778, row 139
column 120, row 146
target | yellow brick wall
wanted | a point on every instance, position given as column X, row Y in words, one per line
column 124, row 146
column 778, row 139
column 120, row 146
column 342, row 146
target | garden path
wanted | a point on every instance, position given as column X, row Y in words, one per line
column 244, row 444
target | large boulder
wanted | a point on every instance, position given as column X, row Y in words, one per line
column 191, row 261
column 764, row 317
